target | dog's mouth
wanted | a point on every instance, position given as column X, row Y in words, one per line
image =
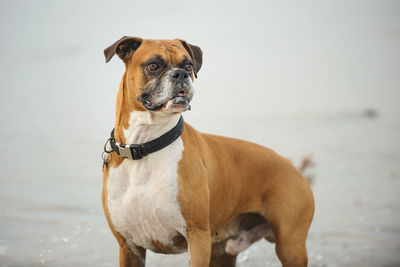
column 178, row 102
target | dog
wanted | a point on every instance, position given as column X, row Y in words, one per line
column 170, row 189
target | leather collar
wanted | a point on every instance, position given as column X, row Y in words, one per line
column 138, row 151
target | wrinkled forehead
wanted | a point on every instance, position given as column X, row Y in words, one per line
column 171, row 51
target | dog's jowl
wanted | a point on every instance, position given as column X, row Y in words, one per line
column 169, row 188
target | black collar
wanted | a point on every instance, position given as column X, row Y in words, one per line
column 138, row 151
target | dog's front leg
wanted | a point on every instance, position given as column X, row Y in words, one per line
column 131, row 257
column 199, row 244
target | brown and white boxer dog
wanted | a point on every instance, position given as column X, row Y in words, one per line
column 209, row 195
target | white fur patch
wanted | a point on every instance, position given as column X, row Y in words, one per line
column 142, row 194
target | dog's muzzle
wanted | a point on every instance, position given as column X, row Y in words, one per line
column 173, row 91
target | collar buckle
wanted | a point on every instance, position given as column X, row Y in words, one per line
column 124, row 151
column 133, row 151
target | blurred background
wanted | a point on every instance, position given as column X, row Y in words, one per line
column 300, row 77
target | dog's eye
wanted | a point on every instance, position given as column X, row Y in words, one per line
column 189, row 67
column 153, row 66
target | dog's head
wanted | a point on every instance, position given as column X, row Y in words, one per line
column 159, row 73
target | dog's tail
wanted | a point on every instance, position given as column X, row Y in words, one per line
column 305, row 166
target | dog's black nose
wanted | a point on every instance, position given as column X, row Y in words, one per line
column 179, row 75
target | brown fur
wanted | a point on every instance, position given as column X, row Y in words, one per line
column 219, row 258
column 220, row 181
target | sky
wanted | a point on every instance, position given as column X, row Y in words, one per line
column 259, row 56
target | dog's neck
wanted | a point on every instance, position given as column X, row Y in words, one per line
column 145, row 126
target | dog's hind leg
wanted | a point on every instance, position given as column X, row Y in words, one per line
column 290, row 221
column 291, row 247
column 219, row 258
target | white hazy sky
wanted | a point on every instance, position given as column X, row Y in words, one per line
column 259, row 56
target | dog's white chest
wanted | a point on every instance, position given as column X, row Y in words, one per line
column 142, row 198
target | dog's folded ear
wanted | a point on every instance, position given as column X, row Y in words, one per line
column 124, row 47
column 196, row 54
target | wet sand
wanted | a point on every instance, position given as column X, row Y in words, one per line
column 53, row 216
